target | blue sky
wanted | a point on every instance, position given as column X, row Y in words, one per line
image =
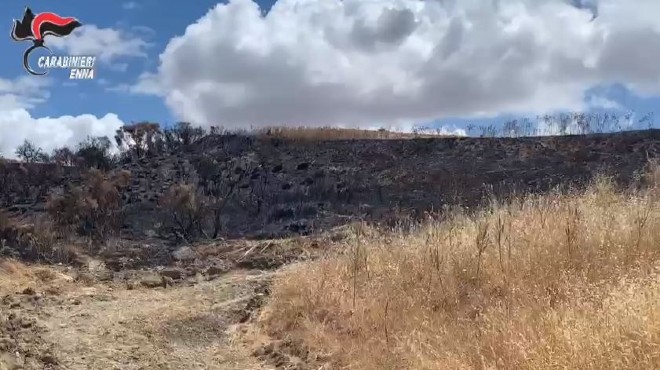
column 626, row 100
column 319, row 62
column 166, row 18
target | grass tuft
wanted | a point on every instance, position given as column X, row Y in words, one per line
column 551, row 281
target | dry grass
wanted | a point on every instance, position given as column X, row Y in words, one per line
column 555, row 281
column 16, row 276
column 34, row 238
column 335, row 133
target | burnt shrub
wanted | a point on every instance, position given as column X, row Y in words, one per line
column 94, row 152
column 31, row 153
column 183, row 209
column 30, row 241
column 64, row 157
column 93, row 209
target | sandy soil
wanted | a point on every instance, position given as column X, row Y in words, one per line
column 55, row 320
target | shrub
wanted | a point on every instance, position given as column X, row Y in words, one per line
column 184, row 211
column 37, row 241
column 6, row 224
column 218, row 182
column 141, row 139
column 94, row 209
column 64, row 156
column 94, row 152
column 651, row 176
column 30, row 153
column 186, row 133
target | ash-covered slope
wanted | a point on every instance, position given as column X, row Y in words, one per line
column 298, row 186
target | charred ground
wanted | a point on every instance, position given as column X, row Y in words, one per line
column 261, row 187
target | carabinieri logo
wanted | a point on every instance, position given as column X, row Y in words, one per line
column 35, row 28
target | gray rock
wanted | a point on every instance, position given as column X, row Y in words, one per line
column 216, row 270
column 173, row 273
column 152, row 281
column 184, row 253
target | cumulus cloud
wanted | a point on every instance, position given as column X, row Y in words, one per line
column 106, row 44
column 17, row 123
column 356, row 62
column 50, row 133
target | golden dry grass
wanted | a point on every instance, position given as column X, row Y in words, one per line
column 335, row 133
column 16, row 276
column 545, row 282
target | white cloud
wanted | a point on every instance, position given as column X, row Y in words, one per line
column 129, row 5
column 148, row 84
column 356, row 62
column 106, row 44
column 603, row 102
column 50, row 133
column 17, row 124
column 23, row 92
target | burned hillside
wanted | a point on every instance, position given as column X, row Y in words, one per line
column 227, row 185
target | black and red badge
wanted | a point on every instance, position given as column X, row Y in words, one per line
column 36, row 27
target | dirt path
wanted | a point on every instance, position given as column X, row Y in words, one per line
column 107, row 326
